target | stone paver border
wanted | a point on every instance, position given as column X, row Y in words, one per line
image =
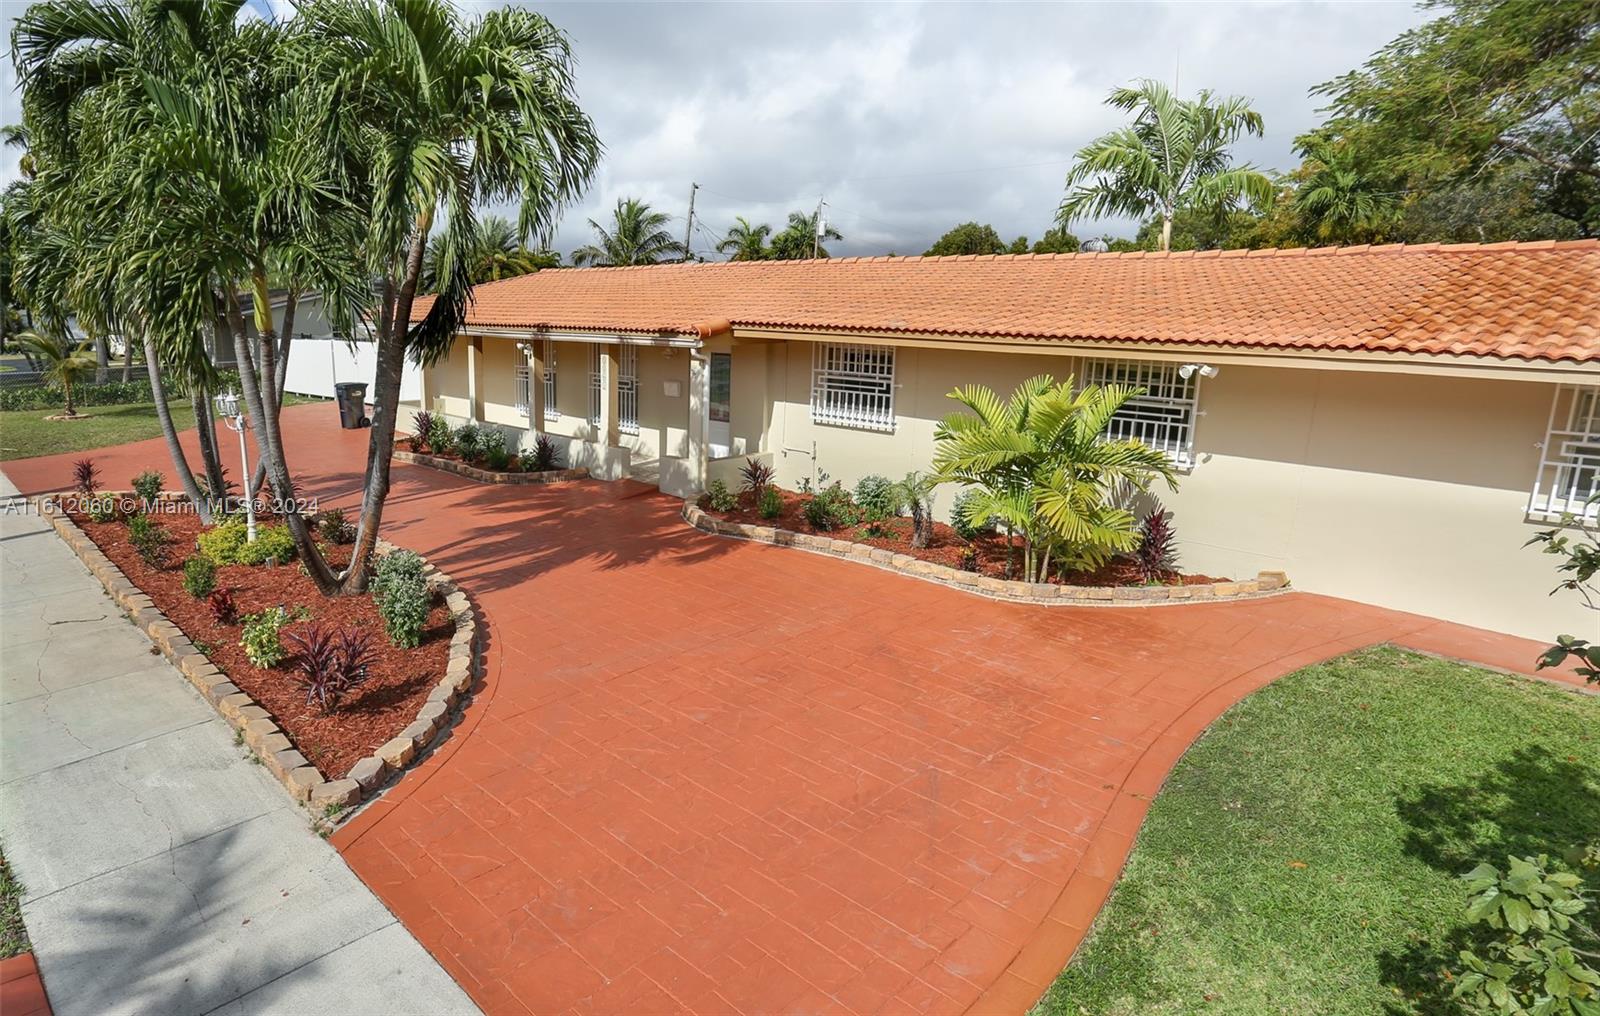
column 1267, row 583
column 327, row 799
column 488, row 475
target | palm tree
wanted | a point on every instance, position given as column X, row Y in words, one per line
column 1342, row 202
column 637, row 237
column 1042, row 466
column 500, row 255
column 65, row 365
column 799, row 240
column 1174, row 156
column 744, row 241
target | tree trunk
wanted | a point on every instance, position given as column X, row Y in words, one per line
column 395, row 326
column 1166, row 230
column 206, row 430
column 67, row 388
column 291, row 301
column 127, row 359
column 102, row 359
column 191, row 490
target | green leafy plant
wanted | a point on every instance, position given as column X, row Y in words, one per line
column 421, row 430
column 543, row 457
column 85, row 476
column 199, row 576
column 329, row 664
column 961, row 513
column 1581, row 551
column 877, row 497
column 272, row 543
column 335, row 528
column 771, row 505
column 830, row 508
column 261, row 639
column 720, row 498
column 149, row 539
column 66, row 364
column 1535, row 959
column 754, row 478
column 467, row 442
column 1157, row 553
column 915, row 494
column 102, row 509
column 401, row 595
column 438, row 434
column 492, row 447
column 221, row 543
column 148, row 485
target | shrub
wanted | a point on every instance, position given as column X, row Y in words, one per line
column 421, row 430
column 148, row 485
column 223, row 606
column 771, row 502
column 915, row 492
column 1578, row 544
column 1157, row 554
column 961, row 516
column 85, row 476
column 335, row 528
column 102, row 509
column 877, row 498
column 329, row 663
column 466, row 441
column 199, row 576
column 272, row 543
column 497, row 459
column 221, row 543
column 755, row 477
column 542, row 457
column 830, row 508
column 438, row 434
column 260, row 638
column 401, row 595
column 149, row 538
column 492, row 442
column 720, row 498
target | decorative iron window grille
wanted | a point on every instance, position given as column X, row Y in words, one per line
column 853, row 386
column 1163, row 416
column 550, row 410
column 1569, row 458
column 627, row 388
column 524, row 389
column 596, row 386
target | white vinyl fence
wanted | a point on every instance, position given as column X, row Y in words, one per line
column 315, row 365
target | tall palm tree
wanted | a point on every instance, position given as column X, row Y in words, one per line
column 1175, row 155
column 64, row 364
column 637, row 237
column 1341, row 202
column 744, row 241
column 500, row 255
column 799, row 239
column 1042, row 466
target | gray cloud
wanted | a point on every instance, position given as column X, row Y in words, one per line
column 911, row 118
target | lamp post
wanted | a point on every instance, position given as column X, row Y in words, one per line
column 233, row 414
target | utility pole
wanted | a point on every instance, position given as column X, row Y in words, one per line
column 688, row 229
column 816, row 237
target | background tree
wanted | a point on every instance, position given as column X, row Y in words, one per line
column 1018, row 246
column 637, row 236
column 1339, row 197
column 64, row 364
column 799, row 240
column 1174, row 157
column 500, row 254
column 745, row 242
column 967, row 238
column 1056, row 240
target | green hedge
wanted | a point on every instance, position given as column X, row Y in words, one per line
column 111, row 393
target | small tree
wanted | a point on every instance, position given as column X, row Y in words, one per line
column 1581, row 551
column 64, row 364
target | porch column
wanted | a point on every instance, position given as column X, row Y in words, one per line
column 699, row 417
column 610, row 363
column 534, row 351
column 475, row 379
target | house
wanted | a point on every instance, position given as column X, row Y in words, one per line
column 1388, row 424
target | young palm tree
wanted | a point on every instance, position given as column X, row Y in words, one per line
column 744, row 241
column 1342, row 203
column 799, row 240
column 1043, row 467
column 637, row 237
column 1174, row 156
column 64, row 364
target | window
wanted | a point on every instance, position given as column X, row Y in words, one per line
column 1569, row 459
column 627, row 388
column 1163, row 416
column 550, row 410
column 853, row 386
column 524, row 390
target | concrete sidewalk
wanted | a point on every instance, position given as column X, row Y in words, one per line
column 164, row 872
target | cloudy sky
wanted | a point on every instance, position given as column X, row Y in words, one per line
column 909, row 118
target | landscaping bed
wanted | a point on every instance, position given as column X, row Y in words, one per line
column 985, row 554
column 480, row 453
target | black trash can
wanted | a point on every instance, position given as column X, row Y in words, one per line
column 352, row 399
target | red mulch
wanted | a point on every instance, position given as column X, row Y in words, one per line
column 946, row 547
column 397, row 684
column 513, row 466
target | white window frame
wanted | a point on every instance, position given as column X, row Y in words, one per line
column 852, row 385
column 627, row 387
column 1569, row 457
column 1164, row 416
column 524, row 388
column 551, row 412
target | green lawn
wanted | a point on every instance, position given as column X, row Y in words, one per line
column 13, row 936
column 1303, row 856
column 25, row 433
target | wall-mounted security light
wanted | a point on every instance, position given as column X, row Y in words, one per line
column 1188, row 370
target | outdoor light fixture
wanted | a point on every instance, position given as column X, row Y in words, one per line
column 1187, row 371
column 233, row 415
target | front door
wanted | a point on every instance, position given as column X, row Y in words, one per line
column 719, row 437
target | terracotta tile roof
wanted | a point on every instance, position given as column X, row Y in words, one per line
column 1531, row 301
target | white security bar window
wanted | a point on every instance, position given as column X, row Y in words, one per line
column 550, row 410
column 524, row 390
column 628, row 391
column 1163, row 416
column 1569, row 459
column 853, row 386
column 596, row 386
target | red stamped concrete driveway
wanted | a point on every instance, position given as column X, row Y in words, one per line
column 711, row 776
